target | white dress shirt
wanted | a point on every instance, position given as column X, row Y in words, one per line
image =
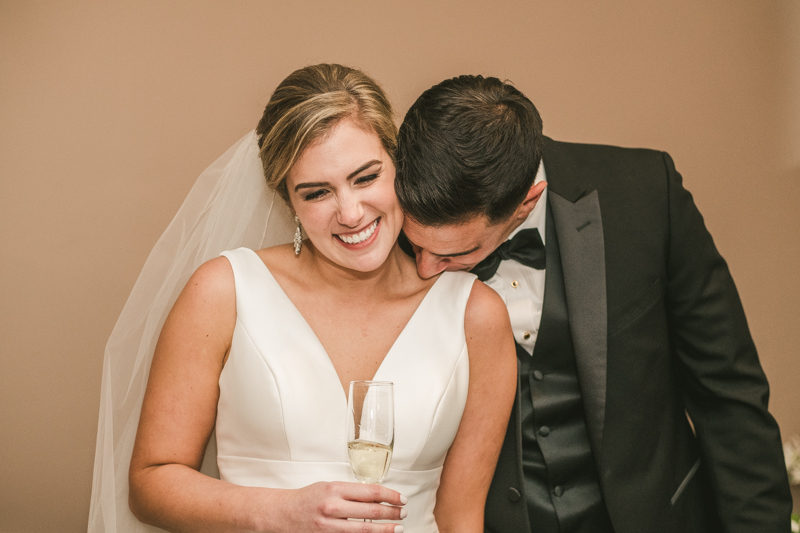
column 522, row 287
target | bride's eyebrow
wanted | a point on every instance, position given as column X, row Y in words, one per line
column 356, row 172
column 362, row 168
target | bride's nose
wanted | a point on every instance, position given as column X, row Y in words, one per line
column 351, row 212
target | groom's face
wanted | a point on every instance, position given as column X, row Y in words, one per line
column 455, row 246
column 462, row 246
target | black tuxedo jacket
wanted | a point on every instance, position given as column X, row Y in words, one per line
column 659, row 333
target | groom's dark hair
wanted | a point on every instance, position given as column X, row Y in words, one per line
column 469, row 146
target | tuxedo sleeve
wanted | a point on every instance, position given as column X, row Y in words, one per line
column 725, row 389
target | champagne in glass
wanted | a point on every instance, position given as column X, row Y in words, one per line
column 370, row 429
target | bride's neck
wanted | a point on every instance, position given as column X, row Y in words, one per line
column 331, row 275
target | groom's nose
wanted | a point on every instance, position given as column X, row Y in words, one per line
column 428, row 265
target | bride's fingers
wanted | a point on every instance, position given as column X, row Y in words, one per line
column 340, row 507
column 364, row 492
column 353, row 500
column 369, row 511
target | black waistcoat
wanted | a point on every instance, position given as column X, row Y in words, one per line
column 560, row 477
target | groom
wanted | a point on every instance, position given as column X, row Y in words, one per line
column 641, row 403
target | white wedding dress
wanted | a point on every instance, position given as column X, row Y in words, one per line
column 281, row 412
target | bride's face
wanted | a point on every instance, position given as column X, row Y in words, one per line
column 342, row 190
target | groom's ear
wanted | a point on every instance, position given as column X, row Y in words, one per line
column 531, row 199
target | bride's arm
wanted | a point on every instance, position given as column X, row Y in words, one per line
column 471, row 460
column 178, row 416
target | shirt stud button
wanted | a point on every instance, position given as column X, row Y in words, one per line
column 515, row 284
column 526, row 335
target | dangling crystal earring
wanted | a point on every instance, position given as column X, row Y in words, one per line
column 298, row 236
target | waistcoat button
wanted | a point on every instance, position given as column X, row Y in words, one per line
column 544, row 431
column 513, row 494
column 559, row 490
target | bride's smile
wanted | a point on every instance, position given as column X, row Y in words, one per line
column 359, row 237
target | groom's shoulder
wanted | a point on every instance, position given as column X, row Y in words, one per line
column 575, row 167
column 603, row 154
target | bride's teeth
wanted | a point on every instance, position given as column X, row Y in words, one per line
column 360, row 237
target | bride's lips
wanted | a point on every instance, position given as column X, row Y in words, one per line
column 361, row 238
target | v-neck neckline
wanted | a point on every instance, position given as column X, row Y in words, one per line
column 322, row 348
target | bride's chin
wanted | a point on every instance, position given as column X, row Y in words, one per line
column 375, row 257
column 369, row 263
column 366, row 266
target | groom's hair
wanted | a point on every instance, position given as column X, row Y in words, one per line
column 469, row 146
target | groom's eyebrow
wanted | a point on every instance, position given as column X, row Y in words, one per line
column 454, row 254
column 356, row 172
column 457, row 254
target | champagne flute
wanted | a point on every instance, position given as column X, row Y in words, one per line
column 370, row 429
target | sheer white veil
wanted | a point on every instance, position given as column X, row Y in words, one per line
column 229, row 206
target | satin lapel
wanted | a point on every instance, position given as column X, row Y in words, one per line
column 580, row 237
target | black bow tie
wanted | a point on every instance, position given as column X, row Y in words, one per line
column 526, row 247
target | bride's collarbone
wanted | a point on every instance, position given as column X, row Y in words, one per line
column 302, row 282
column 349, row 315
column 354, row 320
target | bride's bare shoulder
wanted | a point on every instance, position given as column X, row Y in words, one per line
column 207, row 304
column 212, row 280
column 486, row 314
column 279, row 258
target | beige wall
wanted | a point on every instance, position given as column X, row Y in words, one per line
column 109, row 110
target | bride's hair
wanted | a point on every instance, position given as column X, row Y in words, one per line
column 308, row 104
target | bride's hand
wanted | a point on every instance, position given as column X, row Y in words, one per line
column 325, row 507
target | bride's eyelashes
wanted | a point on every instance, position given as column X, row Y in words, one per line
column 315, row 195
column 318, row 194
column 366, row 180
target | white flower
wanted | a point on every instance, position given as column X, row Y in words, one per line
column 795, row 526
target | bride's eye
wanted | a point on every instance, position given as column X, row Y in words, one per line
column 315, row 195
column 364, row 180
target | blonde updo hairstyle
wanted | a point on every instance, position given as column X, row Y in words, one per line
column 307, row 105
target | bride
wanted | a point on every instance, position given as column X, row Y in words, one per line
column 260, row 346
